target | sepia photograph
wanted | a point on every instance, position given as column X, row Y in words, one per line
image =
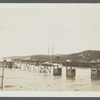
column 50, row 48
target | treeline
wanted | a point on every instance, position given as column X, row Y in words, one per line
column 88, row 56
column 79, row 64
column 85, row 56
column 84, row 59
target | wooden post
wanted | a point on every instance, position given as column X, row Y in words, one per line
column 2, row 80
column 52, row 52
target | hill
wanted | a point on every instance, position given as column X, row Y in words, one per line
column 85, row 56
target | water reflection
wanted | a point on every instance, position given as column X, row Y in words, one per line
column 95, row 77
column 70, row 78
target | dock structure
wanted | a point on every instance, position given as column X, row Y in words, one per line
column 45, row 67
column 57, row 70
column 70, row 72
column 17, row 63
column 24, row 64
column 95, row 72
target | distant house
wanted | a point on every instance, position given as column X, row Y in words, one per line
column 68, row 60
column 98, row 60
column 9, row 60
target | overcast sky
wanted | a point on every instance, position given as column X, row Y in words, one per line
column 26, row 29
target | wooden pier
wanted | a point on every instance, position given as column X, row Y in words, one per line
column 70, row 72
column 45, row 67
column 95, row 72
column 57, row 70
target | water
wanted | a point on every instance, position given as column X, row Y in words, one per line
column 24, row 80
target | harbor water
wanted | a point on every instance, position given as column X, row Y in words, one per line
column 25, row 80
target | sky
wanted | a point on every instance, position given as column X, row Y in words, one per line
column 28, row 29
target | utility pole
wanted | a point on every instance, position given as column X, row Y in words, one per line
column 48, row 51
column 2, row 81
column 52, row 50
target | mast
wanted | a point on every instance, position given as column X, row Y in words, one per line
column 48, row 51
column 52, row 50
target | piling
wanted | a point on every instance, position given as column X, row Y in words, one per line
column 57, row 71
column 70, row 72
column 42, row 69
column 2, row 79
column 34, row 68
column 95, row 72
column 45, row 67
